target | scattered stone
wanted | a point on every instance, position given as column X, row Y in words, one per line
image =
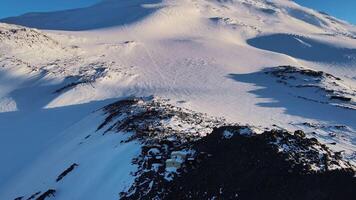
column 48, row 193
column 299, row 133
column 67, row 171
column 34, row 195
column 332, row 134
column 341, row 98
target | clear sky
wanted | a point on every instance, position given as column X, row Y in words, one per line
column 343, row 9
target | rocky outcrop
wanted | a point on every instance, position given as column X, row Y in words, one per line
column 218, row 160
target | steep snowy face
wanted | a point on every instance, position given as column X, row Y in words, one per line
column 288, row 15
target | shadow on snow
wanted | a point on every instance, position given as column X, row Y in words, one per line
column 304, row 48
column 105, row 14
column 280, row 96
column 26, row 132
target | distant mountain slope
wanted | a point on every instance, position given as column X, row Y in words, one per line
column 109, row 13
column 105, row 14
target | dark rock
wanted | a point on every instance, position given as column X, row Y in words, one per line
column 33, row 196
column 341, row 98
column 299, row 133
column 67, row 171
column 248, row 167
column 48, row 193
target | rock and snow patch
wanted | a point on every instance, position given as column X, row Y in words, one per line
column 31, row 45
column 154, row 118
column 19, row 37
column 337, row 137
column 254, row 167
column 166, row 133
column 316, row 86
column 242, row 130
column 7, row 105
column 173, row 149
column 228, row 134
column 314, row 155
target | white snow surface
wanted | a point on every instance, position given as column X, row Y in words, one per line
column 204, row 55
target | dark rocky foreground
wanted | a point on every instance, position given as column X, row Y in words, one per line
column 222, row 160
column 251, row 168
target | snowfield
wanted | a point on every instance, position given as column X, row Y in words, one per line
column 261, row 63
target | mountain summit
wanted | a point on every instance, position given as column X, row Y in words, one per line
column 110, row 13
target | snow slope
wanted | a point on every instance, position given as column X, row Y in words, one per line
column 206, row 55
column 101, row 15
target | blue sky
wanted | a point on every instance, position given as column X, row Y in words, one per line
column 343, row 9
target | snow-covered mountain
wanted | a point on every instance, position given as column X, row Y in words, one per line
column 96, row 101
column 104, row 14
